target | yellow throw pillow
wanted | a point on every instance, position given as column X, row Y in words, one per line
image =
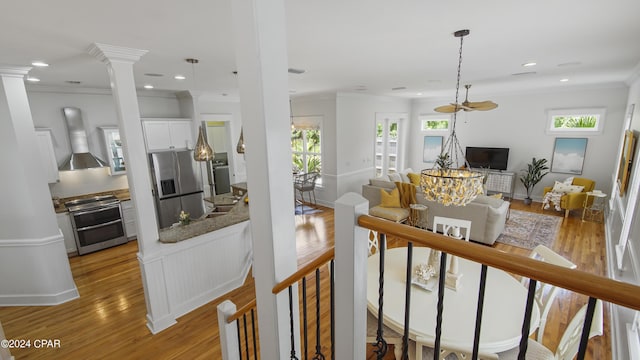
column 414, row 178
column 391, row 199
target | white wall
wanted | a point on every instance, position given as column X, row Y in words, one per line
column 98, row 109
column 356, row 136
column 519, row 124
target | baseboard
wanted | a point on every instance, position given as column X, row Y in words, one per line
column 39, row 299
column 156, row 326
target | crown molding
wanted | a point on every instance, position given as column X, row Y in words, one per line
column 14, row 71
column 108, row 53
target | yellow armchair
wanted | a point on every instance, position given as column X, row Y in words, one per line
column 574, row 201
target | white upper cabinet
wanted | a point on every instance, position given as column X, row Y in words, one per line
column 165, row 134
column 47, row 155
column 113, row 147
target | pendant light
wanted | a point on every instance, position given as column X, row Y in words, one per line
column 240, row 146
column 452, row 186
column 202, row 151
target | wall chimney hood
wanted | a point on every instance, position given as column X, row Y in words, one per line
column 80, row 158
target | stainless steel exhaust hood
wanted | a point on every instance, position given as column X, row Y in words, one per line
column 80, row 158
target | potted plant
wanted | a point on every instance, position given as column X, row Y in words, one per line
column 535, row 171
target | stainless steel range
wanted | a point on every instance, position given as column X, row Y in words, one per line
column 97, row 223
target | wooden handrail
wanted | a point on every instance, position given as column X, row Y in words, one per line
column 305, row 270
column 243, row 310
column 613, row 291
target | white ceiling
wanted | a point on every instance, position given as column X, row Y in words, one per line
column 344, row 45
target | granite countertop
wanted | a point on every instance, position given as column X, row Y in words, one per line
column 238, row 213
column 121, row 194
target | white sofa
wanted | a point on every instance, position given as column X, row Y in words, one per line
column 488, row 215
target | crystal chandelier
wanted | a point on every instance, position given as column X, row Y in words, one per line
column 452, row 186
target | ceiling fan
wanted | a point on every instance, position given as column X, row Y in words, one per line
column 467, row 105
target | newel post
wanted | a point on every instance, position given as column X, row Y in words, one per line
column 228, row 331
column 351, row 253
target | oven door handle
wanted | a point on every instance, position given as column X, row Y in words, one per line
column 99, row 225
column 95, row 211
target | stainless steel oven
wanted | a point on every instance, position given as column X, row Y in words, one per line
column 97, row 223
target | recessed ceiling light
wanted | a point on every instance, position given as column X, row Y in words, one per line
column 148, row 86
column 419, row 94
column 530, row 63
column 179, row 77
column 32, row 79
column 564, row 80
column 39, row 64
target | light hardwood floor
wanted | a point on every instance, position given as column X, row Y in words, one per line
column 108, row 320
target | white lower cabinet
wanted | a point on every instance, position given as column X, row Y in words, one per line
column 64, row 224
column 129, row 218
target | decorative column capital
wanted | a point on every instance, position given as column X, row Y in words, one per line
column 108, row 53
column 14, row 71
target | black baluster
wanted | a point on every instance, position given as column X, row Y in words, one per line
column 526, row 324
column 586, row 328
column 318, row 355
column 407, row 303
column 239, row 339
column 333, row 306
column 441, row 277
column 293, row 341
column 246, row 336
column 481, row 289
column 253, row 332
column 381, row 344
column 304, row 317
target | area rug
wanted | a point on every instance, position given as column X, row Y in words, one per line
column 306, row 210
column 528, row 230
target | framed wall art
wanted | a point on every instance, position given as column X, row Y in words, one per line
column 626, row 160
column 432, row 148
column 568, row 155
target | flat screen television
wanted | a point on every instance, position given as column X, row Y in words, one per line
column 486, row 157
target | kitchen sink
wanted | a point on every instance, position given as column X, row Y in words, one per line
column 220, row 210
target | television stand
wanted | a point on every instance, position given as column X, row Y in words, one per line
column 499, row 181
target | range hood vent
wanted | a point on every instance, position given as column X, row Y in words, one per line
column 80, row 158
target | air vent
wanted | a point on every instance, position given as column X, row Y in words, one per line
column 399, row 88
column 73, row 82
column 153, row 75
column 524, row 73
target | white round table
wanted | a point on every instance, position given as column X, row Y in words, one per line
column 504, row 303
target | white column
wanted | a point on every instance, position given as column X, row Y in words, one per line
column 31, row 244
column 119, row 61
column 228, row 332
column 261, row 58
column 351, row 281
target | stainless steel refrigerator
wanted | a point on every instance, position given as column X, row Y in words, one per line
column 176, row 186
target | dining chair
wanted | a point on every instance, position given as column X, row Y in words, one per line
column 452, row 227
column 424, row 350
column 306, row 183
column 546, row 293
column 569, row 342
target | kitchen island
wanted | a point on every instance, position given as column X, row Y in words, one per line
column 211, row 222
column 197, row 263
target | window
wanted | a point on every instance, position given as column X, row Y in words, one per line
column 387, row 147
column 434, row 122
column 583, row 121
column 306, row 145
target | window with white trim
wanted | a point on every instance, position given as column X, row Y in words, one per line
column 306, row 144
column 387, row 143
column 579, row 121
column 435, row 122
